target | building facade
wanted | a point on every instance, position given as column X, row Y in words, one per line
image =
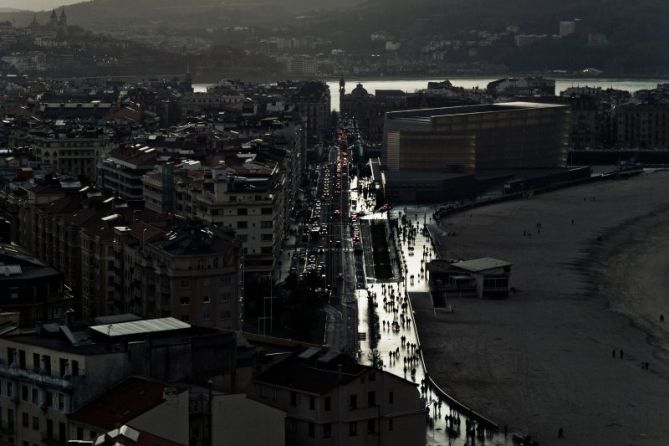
column 643, row 126
column 190, row 272
column 466, row 139
column 330, row 399
column 248, row 197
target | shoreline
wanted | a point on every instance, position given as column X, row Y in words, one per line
column 547, row 351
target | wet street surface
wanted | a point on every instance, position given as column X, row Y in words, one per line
column 386, row 327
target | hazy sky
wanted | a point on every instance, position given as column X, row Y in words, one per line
column 35, row 5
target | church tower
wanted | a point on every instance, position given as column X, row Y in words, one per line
column 62, row 21
column 53, row 21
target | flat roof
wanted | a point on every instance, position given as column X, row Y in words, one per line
column 482, row 264
column 139, row 327
column 428, row 114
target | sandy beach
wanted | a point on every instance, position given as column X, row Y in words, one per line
column 544, row 358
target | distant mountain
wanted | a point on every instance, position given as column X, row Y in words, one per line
column 33, row 5
column 107, row 14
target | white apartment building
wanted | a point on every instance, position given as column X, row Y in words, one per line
column 43, row 379
column 330, row 399
column 247, row 197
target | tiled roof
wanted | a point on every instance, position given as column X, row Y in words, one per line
column 313, row 374
column 121, row 404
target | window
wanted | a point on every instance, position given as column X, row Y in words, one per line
column 64, row 366
column 353, row 401
column 36, row 362
column 61, row 401
column 242, row 211
column 11, row 355
column 371, row 426
column 49, row 430
column 185, row 283
column 49, row 399
column 327, row 430
column 266, row 211
column 266, row 237
column 35, row 396
column 291, row 425
column 35, row 423
column 372, row 376
column 46, row 362
column 293, row 399
column 185, row 300
column 22, row 359
column 312, row 403
column 25, row 420
column 10, row 389
column 390, row 397
column 312, row 430
column 14, row 292
column 266, row 224
column 352, row 429
column 75, row 368
column 206, row 300
column 327, row 403
column 224, row 297
column 242, row 225
column 390, row 424
column 371, row 398
column 24, row 393
column 80, row 433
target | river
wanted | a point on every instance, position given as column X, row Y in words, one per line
column 411, row 86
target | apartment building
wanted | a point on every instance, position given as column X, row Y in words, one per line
column 331, row 399
column 121, row 173
column 48, row 376
column 29, row 287
column 643, row 126
column 243, row 194
column 312, row 100
column 189, row 271
column 77, row 151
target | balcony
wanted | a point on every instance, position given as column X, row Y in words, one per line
column 36, row 378
column 7, row 427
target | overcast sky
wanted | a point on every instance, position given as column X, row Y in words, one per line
column 35, row 5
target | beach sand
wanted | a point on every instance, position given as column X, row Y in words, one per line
column 542, row 359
